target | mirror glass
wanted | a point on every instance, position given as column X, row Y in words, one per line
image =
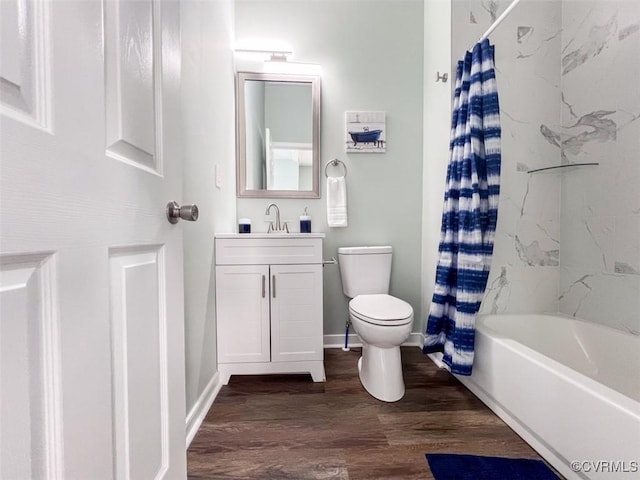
column 278, row 131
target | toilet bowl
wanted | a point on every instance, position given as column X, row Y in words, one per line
column 383, row 323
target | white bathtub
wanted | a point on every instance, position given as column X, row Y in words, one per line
column 570, row 388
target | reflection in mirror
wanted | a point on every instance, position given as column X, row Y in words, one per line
column 278, row 126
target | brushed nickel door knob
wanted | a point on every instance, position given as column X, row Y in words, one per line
column 176, row 212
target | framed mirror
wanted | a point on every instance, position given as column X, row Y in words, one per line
column 278, row 135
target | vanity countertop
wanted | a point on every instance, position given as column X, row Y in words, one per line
column 269, row 235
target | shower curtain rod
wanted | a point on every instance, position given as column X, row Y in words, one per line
column 499, row 20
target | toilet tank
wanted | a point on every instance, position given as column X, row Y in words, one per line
column 365, row 270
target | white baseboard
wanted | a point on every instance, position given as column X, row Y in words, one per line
column 416, row 339
column 203, row 404
column 337, row 341
column 436, row 357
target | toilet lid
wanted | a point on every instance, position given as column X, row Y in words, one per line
column 381, row 309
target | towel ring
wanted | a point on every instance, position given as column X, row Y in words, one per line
column 334, row 163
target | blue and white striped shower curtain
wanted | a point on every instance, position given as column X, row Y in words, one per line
column 470, row 211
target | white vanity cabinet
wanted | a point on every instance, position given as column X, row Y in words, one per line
column 269, row 304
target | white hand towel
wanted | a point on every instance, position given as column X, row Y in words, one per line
column 336, row 202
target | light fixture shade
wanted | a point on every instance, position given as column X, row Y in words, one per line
column 271, row 52
column 270, row 56
column 263, row 46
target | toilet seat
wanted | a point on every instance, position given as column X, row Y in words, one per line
column 381, row 309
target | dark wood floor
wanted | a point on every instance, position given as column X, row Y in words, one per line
column 287, row 427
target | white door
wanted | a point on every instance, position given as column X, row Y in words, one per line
column 91, row 289
column 242, row 312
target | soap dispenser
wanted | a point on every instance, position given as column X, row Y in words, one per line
column 305, row 221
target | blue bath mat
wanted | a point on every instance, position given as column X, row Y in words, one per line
column 445, row 466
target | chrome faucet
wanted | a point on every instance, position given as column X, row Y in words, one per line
column 277, row 227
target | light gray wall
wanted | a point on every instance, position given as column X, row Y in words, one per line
column 371, row 55
column 208, row 121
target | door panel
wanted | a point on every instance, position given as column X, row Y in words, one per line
column 30, row 416
column 139, row 346
column 24, row 65
column 242, row 307
column 296, row 313
column 131, row 53
column 110, row 278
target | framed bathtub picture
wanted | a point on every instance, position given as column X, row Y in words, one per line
column 365, row 132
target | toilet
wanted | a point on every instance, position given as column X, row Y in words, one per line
column 381, row 321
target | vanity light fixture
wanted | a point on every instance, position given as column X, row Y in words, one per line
column 271, row 56
column 279, row 57
column 274, row 55
column 263, row 48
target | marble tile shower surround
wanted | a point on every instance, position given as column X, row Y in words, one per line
column 600, row 122
column 568, row 240
column 525, row 274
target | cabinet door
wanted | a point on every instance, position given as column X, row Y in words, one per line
column 242, row 306
column 296, row 313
